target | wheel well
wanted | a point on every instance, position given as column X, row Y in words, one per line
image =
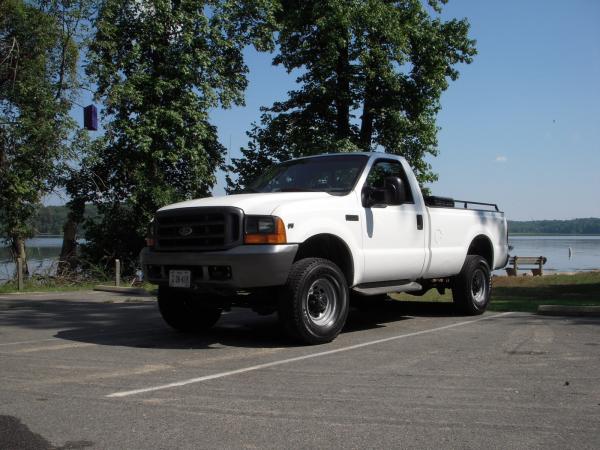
column 329, row 247
column 482, row 246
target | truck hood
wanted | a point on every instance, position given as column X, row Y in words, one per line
column 262, row 203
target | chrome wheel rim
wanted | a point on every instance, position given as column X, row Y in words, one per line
column 322, row 301
column 479, row 287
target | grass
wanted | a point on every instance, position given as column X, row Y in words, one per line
column 527, row 293
column 58, row 285
column 11, row 287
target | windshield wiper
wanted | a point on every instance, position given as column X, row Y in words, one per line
column 295, row 189
column 337, row 191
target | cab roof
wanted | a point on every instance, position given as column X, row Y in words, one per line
column 368, row 154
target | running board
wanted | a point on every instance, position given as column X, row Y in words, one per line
column 387, row 288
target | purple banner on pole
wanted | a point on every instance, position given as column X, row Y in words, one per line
column 90, row 118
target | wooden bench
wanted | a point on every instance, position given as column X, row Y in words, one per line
column 518, row 261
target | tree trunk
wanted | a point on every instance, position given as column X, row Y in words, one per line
column 68, row 251
column 366, row 126
column 17, row 247
column 342, row 101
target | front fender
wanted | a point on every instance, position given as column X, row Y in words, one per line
column 303, row 231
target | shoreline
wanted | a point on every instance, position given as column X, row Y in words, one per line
column 551, row 273
column 550, row 234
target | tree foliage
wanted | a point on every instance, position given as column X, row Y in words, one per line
column 49, row 220
column 159, row 66
column 371, row 76
column 38, row 62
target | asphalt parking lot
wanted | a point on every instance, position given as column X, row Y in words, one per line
column 100, row 370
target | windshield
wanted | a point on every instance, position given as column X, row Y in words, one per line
column 333, row 174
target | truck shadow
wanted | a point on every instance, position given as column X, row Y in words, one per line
column 238, row 328
column 373, row 316
column 139, row 324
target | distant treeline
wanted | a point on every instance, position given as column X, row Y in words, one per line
column 51, row 219
column 573, row 226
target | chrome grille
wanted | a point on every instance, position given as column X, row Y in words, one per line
column 204, row 228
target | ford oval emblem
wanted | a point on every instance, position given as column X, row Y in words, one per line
column 185, row 231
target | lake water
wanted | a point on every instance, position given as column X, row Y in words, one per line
column 42, row 254
column 585, row 253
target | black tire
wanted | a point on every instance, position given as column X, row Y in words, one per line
column 471, row 288
column 314, row 303
column 183, row 312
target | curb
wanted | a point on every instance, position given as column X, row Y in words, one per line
column 121, row 290
column 21, row 293
column 559, row 310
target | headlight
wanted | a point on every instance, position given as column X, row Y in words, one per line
column 264, row 230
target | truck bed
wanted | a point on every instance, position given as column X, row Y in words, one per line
column 453, row 225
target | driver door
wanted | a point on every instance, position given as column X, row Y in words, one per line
column 394, row 246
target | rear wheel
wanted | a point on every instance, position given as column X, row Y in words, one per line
column 183, row 312
column 471, row 288
column 313, row 305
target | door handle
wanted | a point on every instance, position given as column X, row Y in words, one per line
column 419, row 221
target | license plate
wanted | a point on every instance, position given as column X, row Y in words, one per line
column 180, row 278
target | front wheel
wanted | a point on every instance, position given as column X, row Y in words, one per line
column 314, row 303
column 183, row 312
column 471, row 288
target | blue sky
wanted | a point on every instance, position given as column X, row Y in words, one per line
column 520, row 127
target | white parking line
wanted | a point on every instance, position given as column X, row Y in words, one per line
column 298, row 358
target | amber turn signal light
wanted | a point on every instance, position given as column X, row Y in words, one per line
column 264, row 230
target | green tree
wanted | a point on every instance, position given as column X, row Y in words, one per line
column 37, row 72
column 159, row 66
column 74, row 18
column 372, row 74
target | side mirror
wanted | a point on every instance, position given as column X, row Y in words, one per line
column 395, row 191
column 371, row 196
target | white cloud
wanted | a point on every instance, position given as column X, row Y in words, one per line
column 500, row 159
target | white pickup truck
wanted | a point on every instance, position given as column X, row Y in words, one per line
column 314, row 233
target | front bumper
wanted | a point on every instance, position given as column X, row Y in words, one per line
column 248, row 266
